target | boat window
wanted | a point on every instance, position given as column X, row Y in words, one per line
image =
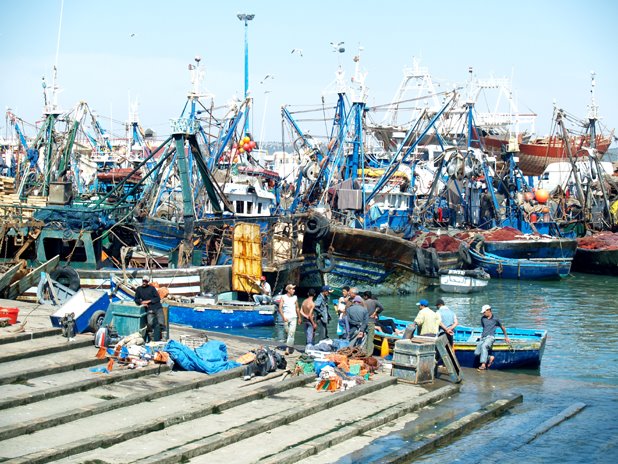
column 240, row 207
column 74, row 249
column 249, row 207
column 259, row 207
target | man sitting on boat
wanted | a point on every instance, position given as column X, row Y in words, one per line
column 489, row 324
column 265, row 296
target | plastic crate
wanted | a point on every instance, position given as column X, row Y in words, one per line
column 10, row 313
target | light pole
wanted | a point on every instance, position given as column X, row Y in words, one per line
column 246, row 18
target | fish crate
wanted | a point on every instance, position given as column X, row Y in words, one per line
column 414, row 360
column 193, row 341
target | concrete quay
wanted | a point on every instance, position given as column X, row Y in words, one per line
column 54, row 409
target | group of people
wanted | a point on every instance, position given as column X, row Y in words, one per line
column 443, row 321
column 359, row 314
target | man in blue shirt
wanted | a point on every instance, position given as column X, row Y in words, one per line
column 449, row 320
column 321, row 314
column 489, row 324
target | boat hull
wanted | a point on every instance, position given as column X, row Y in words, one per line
column 218, row 317
column 461, row 284
column 524, row 269
column 596, row 261
column 535, row 157
column 541, row 248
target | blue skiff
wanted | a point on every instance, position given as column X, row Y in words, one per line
column 524, row 351
column 508, row 268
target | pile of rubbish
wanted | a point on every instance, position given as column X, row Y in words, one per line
column 342, row 370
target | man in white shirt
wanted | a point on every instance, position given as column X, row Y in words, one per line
column 290, row 313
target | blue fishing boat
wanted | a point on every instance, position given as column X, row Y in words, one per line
column 533, row 247
column 208, row 314
column 528, row 269
column 524, row 351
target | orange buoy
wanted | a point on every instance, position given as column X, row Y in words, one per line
column 541, row 195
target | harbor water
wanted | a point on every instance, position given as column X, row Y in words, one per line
column 579, row 365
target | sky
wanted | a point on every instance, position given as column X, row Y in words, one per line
column 113, row 52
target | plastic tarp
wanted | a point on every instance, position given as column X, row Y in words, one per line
column 209, row 358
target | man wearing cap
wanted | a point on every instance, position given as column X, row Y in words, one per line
column 146, row 295
column 290, row 313
column 428, row 321
column 358, row 317
column 449, row 320
column 322, row 316
column 489, row 324
column 265, row 292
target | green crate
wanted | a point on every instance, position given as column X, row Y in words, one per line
column 127, row 318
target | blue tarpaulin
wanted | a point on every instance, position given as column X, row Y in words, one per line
column 210, row 358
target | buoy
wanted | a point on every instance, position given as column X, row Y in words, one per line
column 541, row 195
column 528, row 196
column 533, row 217
column 384, row 350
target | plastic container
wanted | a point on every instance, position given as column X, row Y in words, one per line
column 11, row 313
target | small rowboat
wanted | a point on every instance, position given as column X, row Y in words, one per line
column 524, row 351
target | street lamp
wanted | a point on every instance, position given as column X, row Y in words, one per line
column 246, row 18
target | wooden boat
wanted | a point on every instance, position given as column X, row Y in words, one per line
column 359, row 258
column 524, row 351
column 533, row 269
column 536, row 154
column 597, row 254
column 463, row 280
column 533, row 247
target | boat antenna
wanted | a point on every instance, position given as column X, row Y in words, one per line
column 593, row 109
column 59, row 33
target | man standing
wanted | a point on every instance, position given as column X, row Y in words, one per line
column 265, row 295
column 289, row 312
column 374, row 308
column 449, row 320
column 322, row 316
column 148, row 297
column 358, row 318
column 428, row 321
column 489, row 324
column 306, row 314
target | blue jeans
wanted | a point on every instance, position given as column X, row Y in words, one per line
column 308, row 332
column 483, row 347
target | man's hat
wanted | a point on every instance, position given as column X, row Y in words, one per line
column 423, row 303
column 485, row 308
column 326, row 288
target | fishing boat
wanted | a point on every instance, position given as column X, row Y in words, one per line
column 463, row 280
column 342, row 255
column 524, row 351
column 528, row 269
column 597, row 254
column 535, row 154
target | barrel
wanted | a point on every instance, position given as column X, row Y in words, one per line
column 414, row 360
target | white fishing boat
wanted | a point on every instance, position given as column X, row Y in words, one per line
column 463, row 280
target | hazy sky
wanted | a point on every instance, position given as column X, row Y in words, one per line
column 113, row 50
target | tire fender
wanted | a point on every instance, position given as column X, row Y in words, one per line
column 325, row 262
column 66, row 276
